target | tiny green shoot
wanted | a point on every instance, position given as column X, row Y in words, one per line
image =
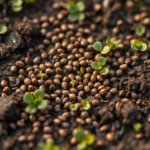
column 73, row 107
column 41, row 75
column 140, row 30
column 29, row 1
column 3, row 29
column 81, row 70
column 73, row 83
column 137, row 127
column 137, row 46
column 35, row 102
column 138, row 4
column 101, row 61
column 112, row 45
column 75, row 11
column 85, row 105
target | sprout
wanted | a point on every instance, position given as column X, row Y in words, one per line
column 73, row 107
column 3, row 29
column 112, row 45
column 75, row 11
column 101, row 61
column 137, row 127
column 41, row 75
column 17, row 5
column 86, row 106
column 35, row 102
column 98, row 47
column 140, row 30
column 73, row 83
column 137, row 46
column 82, row 72
column 138, row 4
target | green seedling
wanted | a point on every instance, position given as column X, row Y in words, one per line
column 98, row 47
column 3, row 29
column 138, row 4
column 137, row 127
column 86, row 106
column 112, row 45
column 73, row 107
column 73, row 83
column 101, row 61
column 82, row 72
column 41, row 75
column 75, row 11
column 35, row 102
column 140, row 30
column 137, row 46
column 17, row 5
column 48, row 146
column 84, row 141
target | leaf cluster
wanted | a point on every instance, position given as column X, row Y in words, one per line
column 137, row 46
column 112, row 45
column 137, row 127
column 101, row 61
column 140, row 30
column 48, row 146
column 35, row 102
column 73, row 107
column 85, row 105
column 84, row 141
column 75, row 11
column 3, row 29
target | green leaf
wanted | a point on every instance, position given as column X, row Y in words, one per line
column 71, row 9
column 104, row 71
column 29, row 1
column 73, row 107
column 134, row 47
column 81, row 16
column 81, row 70
column 137, row 127
column 39, row 94
column 138, row 4
column 16, row 9
column 71, row 3
column 42, row 105
column 17, row 3
column 28, row 98
column 41, row 75
column 97, row 46
column 115, row 45
column 41, row 146
column 81, row 146
column 137, row 44
column 80, row 6
column 108, row 42
column 87, row 106
column 105, row 50
column 83, row 102
column 94, row 65
column 50, row 142
column 140, row 30
column 73, row 83
column 79, row 135
column 143, row 47
column 72, row 17
column 31, row 109
column 88, row 148
column 101, row 60
column 89, row 140
column 3, row 29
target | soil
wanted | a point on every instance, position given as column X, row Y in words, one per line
column 116, row 115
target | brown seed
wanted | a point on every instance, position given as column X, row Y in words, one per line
column 13, row 69
column 108, row 95
column 88, row 121
column 6, row 90
column 57, row 82
column 35, row 130
column 20, row 64
column 36, row 60
column 67, row 105
column 139, row 136
column 95, row 102
column 106, row 82
column 57, row 121
column 65, row 125
column 62, row 132
column 110, row 137
column 98, row 96
column 20, row 123
column 57, row 108
column 80, row 121
column 113, row 91
column 100, row 144
column 72, row 96
column 86, row 89
column 12, row 126
column 119, row 73
column 123, row 67
column 68, row 68
column 22, row 138
column 24, row 116
column 47, row 129
column 113, row 79
column 27, row 60
column 134, row 95
column 32, row 118
column 36, row 124
column 100, row 78
column 4, row 83
column 27, row 81
column 125, row 100
column 84, row 114
column 104, row 128
column 103, row 92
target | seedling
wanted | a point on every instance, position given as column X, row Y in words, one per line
column 41, row 75
column 73, row 107
column 82, row 72
column 137, row 46
column 3, row 29
column 86, row 106
column 137, row 127
column 98, row 47
column 48, row 146
column 101, row 61
column 84, row 141
column 73, row 83
column 112, row 45
column 75, row 11
column 140, row 30
column 35, row 102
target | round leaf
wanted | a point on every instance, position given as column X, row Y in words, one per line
column 81, row 16
column 105, row 50
column 71, row 9
column 115, row 45
column 137, row 44
column 101, row 60
column 79, row 135
column 41, row 146
column 42, row 105
column 97, row 46
column 73, row 107
column 3, row 29
column 87, row 106
column 94, row 65
column 31, row 109
column 108, row 42
column 81, row 146
column 83, row 102
column 140, row 30
column 71, row 3
column 39, row 94
column 72, row 17
column 16, row 9
column 143, row 47
column 104, row 71
column 17, row 3
column 134, row 47
column 28, row 98
column 90, row 139
column 80, row 6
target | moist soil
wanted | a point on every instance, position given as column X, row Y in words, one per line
column 113, row 118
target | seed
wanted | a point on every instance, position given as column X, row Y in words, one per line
column 94, row 91
column 100, row 78
column 95, row 102
column 113, row 91
column 110, row 137
column 106, row 82
column 139, row 136
column 12, row 126
column 113, row 79
column 86, row 89
column 88, row 121
column 128, row 61
column 80, row 121
column 22, row 138
column 125, row 100
column 27, row 60
column 27, row 81
column 67, row 105
column 32, row 118
column 98, row 96
column 36, row 60
column 4, row 83
column 134, row 95
column 65, row 125
column 6, row 90
column 13, row 69
column 47, row 129
column 57, row 82
column 104, row 128
column 20, row 64
column 57, row 108
column 123, row 67
column 57, row 121
column 62, row 132
column 119, row 73
column 20, row 123
column 84, row 114
column 36, row 124
column 103, row 92
column 108, row 95
column 72, row 96
column 24, row 116
column 31, row 138
column 100, row 144
column 35, row 130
